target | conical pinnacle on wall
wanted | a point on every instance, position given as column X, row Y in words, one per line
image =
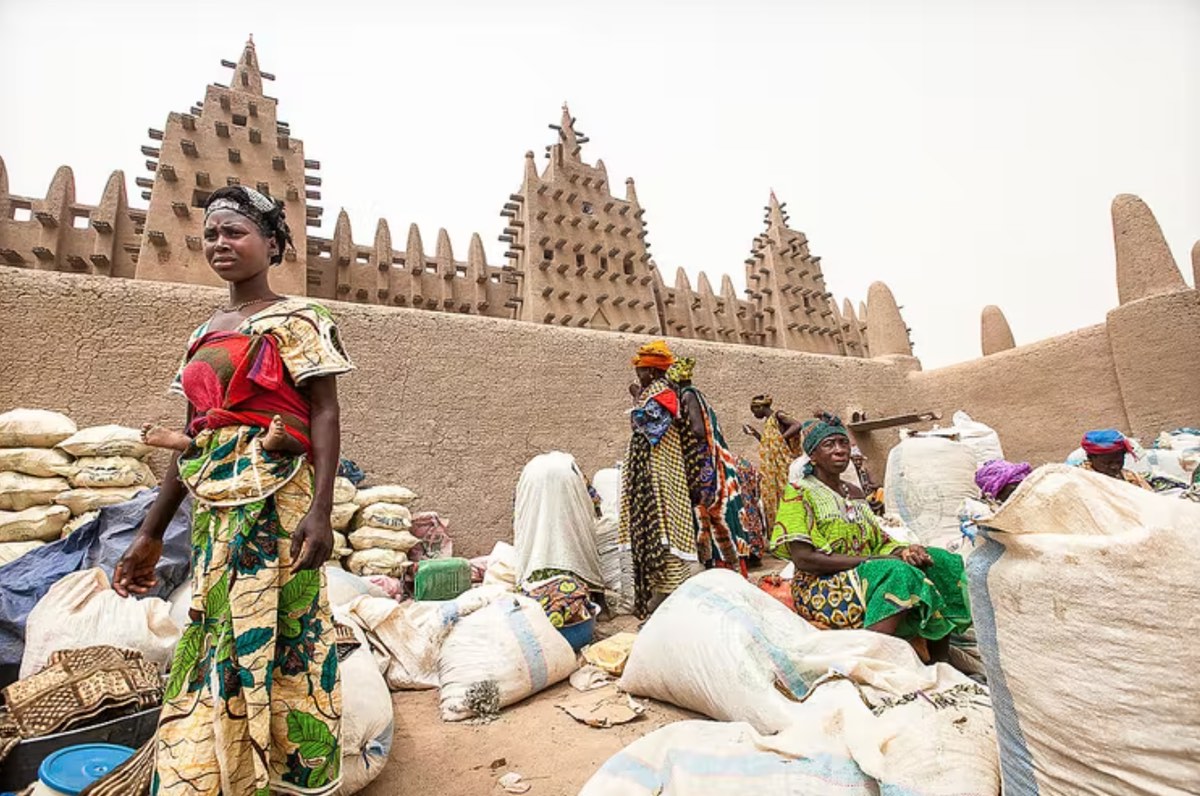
column 1145, row 265
column 1196, row 265
column 994, row 331
column 887, row 334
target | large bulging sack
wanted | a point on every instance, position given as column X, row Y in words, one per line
column 367, row 720
column 19, row 492
column 499, row 655
column 34, row 428
column 1084, row 597
column 42, row 462
column 723, row 647
column 927, row 480
column 108, row 472
column 848, row 701
column 411, row 633
column 82, row 610
column 40, row 524
column 106, row 441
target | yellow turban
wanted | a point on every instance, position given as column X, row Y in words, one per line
column 654, row 355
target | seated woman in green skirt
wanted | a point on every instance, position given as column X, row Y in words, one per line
column 849, row 572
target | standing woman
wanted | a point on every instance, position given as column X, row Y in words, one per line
column 252, row 703
column 778, row 446
column 657, row 524
column 712, row 476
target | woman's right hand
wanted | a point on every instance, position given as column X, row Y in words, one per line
column 135, row 571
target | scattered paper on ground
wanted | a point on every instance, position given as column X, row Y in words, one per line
column 512, row 782
column 602, row 708
column 589, row 678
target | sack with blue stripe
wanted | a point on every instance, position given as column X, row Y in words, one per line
column 1085, row 600
column 499, row 655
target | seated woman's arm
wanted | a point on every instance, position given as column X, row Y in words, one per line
column 808, row 559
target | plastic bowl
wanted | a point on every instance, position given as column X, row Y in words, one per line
column 580, row 634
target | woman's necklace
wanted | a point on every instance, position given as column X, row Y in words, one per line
column 245, row 304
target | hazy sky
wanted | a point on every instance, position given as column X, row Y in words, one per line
column 964, row 152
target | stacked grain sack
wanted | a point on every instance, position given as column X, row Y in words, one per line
column 344, row 509
column 53, row 477
column 382, row 534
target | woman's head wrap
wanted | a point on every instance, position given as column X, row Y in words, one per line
column 654, row 355
column 817, row 431
column 761, row 402
column 1107, row 440
column 994, row 476
column 682, row 370
column 266, row 213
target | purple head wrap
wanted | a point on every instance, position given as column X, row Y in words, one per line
column 993, row 476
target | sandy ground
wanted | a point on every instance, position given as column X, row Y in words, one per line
column 551, row 750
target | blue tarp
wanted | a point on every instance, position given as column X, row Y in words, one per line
column 100, row 543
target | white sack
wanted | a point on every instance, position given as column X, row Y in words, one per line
column 838, row 746
column 19, row 492
column 40, row 523
column 344, row 587
column 33, row 461
column 371, row 538
column 341, row 515
column 11, row 551
column 1084, row 600
column 341, row 545
column 181, row 603
column 82, row 610
column 81, row 501
column 75, row 523
column 377, row 562
column 927, row 480
column 106, row 441
column 389, row 516
column 508, row 648
column 750, row 641
column 554, row 520
column 34, row 428
column 367, row 721
column 344, row 490
column 385, row 494
column 106, row 472
column 980, row 438
column 501, row 567
column 410, row 634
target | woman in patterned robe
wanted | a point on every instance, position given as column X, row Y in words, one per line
column 252, row 703
column 657, row 522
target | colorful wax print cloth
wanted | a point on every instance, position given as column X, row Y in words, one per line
column 657, row 522
column 935, row 597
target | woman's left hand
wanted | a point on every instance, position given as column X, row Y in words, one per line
column 312, row 541
column 916, row 555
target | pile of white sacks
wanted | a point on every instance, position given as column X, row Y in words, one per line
column 54, row 476
column 373, row 528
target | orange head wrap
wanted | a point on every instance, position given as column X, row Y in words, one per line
column 654, row 355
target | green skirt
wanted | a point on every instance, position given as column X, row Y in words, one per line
column 935, row 598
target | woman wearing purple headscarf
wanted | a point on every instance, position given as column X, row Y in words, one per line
column 998, row 479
